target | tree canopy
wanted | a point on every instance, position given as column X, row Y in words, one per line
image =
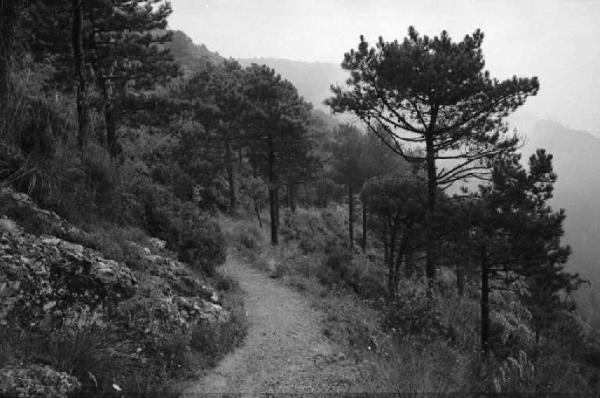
column 431, row 101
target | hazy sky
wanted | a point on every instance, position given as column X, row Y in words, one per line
column 556, row 40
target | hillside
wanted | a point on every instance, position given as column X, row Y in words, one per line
column 191, row 56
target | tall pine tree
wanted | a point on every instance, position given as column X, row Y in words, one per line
column 122, row 50
column 276, row 120
column 517, row 235
column 432, row 94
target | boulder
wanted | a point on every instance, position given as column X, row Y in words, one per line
column 22, row 209
column 37, row 271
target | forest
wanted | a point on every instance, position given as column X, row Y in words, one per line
column 134, row 163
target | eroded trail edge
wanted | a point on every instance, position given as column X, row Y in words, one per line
column 284, row 351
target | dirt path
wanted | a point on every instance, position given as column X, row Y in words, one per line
column 284, row 351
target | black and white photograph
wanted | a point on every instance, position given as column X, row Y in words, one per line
column 299, row 198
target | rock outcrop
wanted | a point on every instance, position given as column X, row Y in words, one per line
column 50, row 280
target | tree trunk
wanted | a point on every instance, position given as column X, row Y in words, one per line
column 273, row 192
column 79, row 64
column 485, row 304
column 230, row 173
column 390, row 265
column 430, row 247
column 391, row 258
column 8, row 20
column 364, row 227
column 400, row 256
column 277, row 207
column 409, row 265
column 258, row 211
column 292, row 199
column 460, row 285
column 350, row 217
column 111, row 130
column 386, row 248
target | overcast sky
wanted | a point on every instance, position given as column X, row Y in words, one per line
column 556, row 40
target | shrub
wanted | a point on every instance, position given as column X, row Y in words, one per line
column 173, row 352
column 200, row 241
column 248, row 237
column 225, row 283
column 351, row 322
column 81, row 352
column 339, row 270
column 214, row 340
column 193, row 234
column 415, row 312
column 315, row 231
column 118, row 244
column 36, row 381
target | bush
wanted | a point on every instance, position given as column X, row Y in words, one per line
column 193, row 234
column 215, row 340
column 338, row 263
column 200, row 241
column 249, row 237
column 415, row 312
column 81, row 352
column 36, row 381
column 118, row 244
column 225, row 283
column 315, row 231
column 341, row 269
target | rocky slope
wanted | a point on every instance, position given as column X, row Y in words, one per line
column 54, row 290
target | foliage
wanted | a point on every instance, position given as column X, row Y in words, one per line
column 279, row 144
column 36, row 381
column 163, row 153
column 436, row 90
column 430, row 101
column 211, row 341
column 415, row 313
column 198, row 240
column 397, row 212
column 124, row 45
column 315, row 231
column 516, row 234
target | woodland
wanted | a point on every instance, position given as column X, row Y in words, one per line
column 123, row 138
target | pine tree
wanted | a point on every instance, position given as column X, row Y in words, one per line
column 517, row 235
column 80, row 78
column 397, row 211
column 123, row 47
column 215, row 95
column 9, row 15
column 377, row 160
column 433, row 94
column 347, row 153
column 276, row 123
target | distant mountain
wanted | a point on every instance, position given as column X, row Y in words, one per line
column 577, row 164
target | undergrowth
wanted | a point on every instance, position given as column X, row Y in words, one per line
column 416, row 343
